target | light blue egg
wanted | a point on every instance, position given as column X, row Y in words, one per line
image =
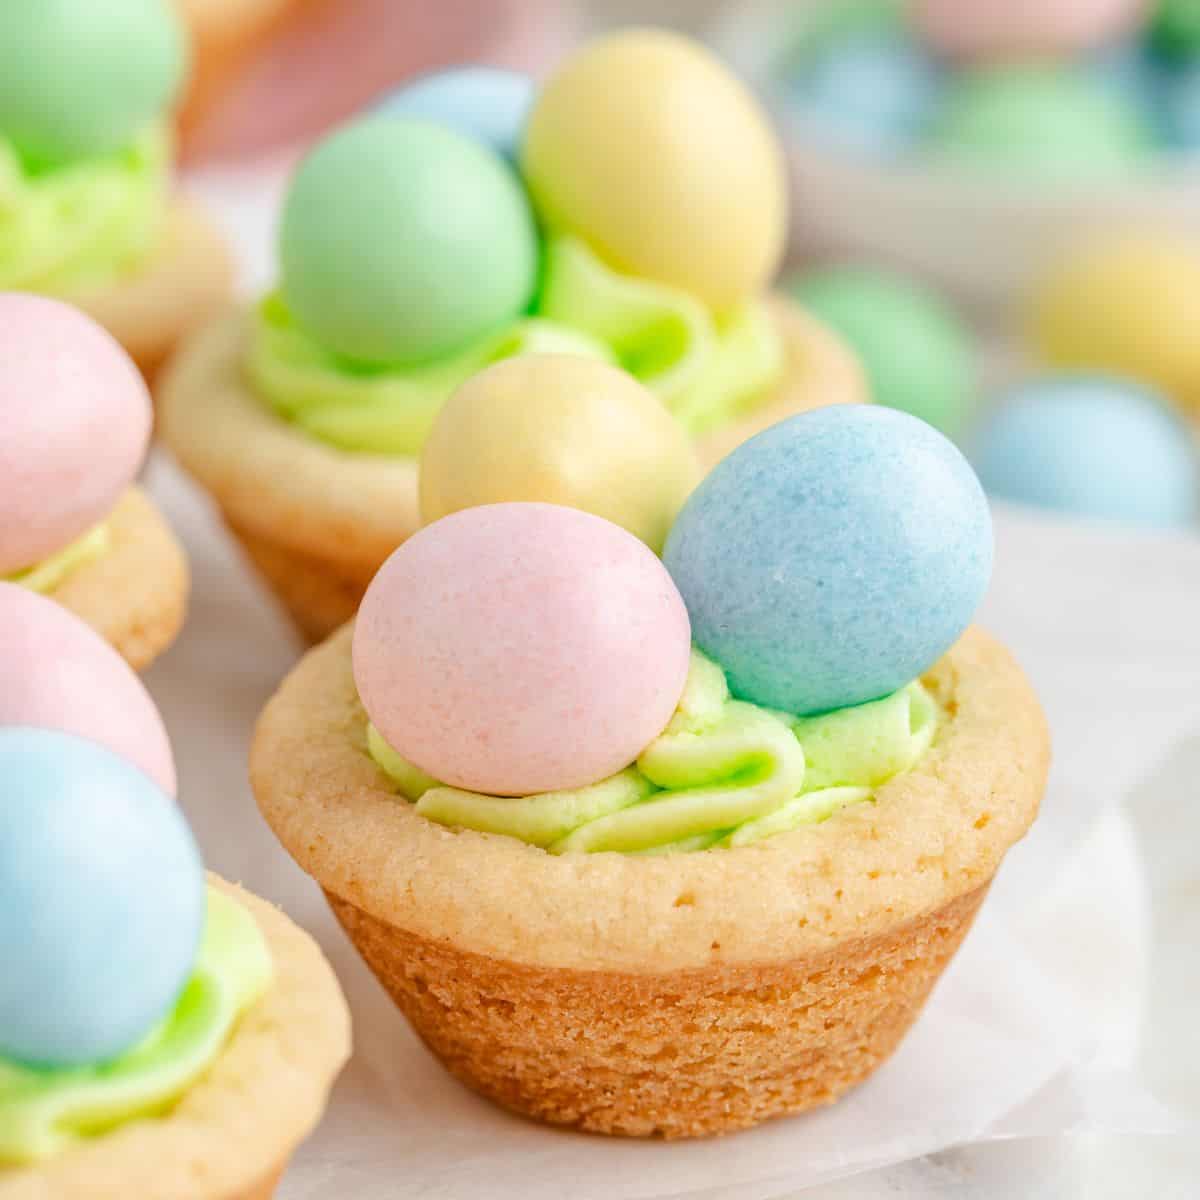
column 833, row 558
column 872, row 92
column 1093, row 446
column 487, row 104
column 1181, row 108
column 101, row 900
column 1133, row 77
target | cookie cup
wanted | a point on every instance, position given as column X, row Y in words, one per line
column 681, row 995
column 134, row 594
column 318, row 522
column 230, row 1136
column 185, row 283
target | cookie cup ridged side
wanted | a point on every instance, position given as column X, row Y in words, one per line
column 180, row 289
column 135, row 593
column 230, row 1136
column 318, row 522
column 683, row 995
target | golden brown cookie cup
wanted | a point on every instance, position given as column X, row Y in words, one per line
column 230, row 1136
column 134, row 594
column 318, row 522
column 681, row 995
column 180, row 289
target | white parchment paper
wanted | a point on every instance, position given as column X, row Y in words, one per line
column 1033, row 1030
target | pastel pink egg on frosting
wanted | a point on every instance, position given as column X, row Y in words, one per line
column 56, row 673
column 521, row 648
column 75, row 420
column 996, row 29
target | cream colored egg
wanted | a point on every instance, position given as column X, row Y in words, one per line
column 651, row 150
column 563, row 430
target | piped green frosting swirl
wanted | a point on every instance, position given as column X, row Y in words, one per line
column 50, row 572
column 706, row 370
column 43, row 1112
column 83, row 224
column 724, row 773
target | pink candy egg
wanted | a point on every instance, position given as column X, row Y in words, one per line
column 56, row 673
column 998, row 29
column 75, row 419
column 521, row 648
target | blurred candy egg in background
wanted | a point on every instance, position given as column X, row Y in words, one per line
column 1091, row 446
column 488, row 104
column 917, row 352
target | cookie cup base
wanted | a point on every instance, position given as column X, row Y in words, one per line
column 682, row 1054
column 182, row 287
column 135, row 593
column 318, row 522
column 677, row 995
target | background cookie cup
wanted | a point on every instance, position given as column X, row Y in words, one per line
column 318, row 522
column 178, row 290
column 135, row 593
column 231, row 1135
column 715, row 990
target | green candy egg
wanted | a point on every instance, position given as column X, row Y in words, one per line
column 916, row 352
column 402, row 241
column 1040, row 121
column 81, row 77
column 1175, row 29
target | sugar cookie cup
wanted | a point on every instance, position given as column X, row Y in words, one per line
column 679, row 995
column 135, row 594
column 318, row 522
column 231, row 1134
column 185, row 282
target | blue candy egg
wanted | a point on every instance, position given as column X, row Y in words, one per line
column 101, row 900
column 1133, row 77
column 833, row 558
column 1181, row 108
column 488, row 104
column 1093, row 446
column 872, row 92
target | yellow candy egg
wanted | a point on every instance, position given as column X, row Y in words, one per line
column 647, row 147
column 1130, row 306
column 564, row 430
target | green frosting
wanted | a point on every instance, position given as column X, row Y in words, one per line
column 724, row 773
column 84, row 224
column 42, row 1112
column 50, row 572
column 706, row 370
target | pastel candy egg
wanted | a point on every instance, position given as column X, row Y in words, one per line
column 1128, row 305
column 1181, row 108
column 402, row 241
column 488, row 104
column 1175, row 29
column 992, row 29
column 1040, row 121
column 521, row 648
column 917, row 353
column 1093, row 447
column 873, row 92
column 833, row 558
column 74, row 423
column 565, row 430
column 80, row 78
column 103, row 900
column 59, row 674
column 645, row 146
